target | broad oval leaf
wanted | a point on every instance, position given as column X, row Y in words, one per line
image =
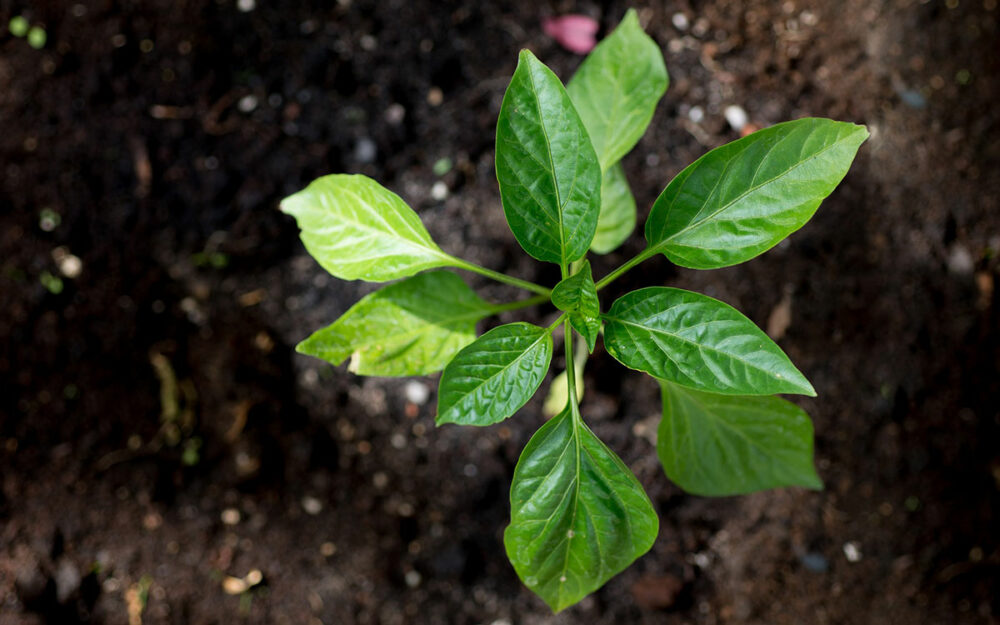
column 495, row 375
column 698, row 342
column 412, row 327
column 358, row 230
column 616, row 89
column 577, row 296
column 550, row 180
column 741, row 199
column 717, row 445
column 617, row 219
column 578, row 515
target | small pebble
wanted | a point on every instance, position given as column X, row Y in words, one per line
column 417, row 392
column 435, row 96
column 365, row 150
column 327, row 549
column 960, row 261
column 696, row 114
column 815, row 562
column 246, row 6
column 852, row 551
column 736, row 117
column 395, row 113
column 67, row 580
column 230, row 516
column 312, row 505
column 680, row 21
column 413, row 579
column 439, row 192
column 247, row 103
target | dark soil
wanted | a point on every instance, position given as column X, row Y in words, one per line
column 157, row 434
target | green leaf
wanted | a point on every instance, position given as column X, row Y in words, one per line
column 413, row 327
column 578, row 515
column 550, row 180
column 617, row 219
column 357, row 229
column 495, row 375
column 617, row 87
column 741, row 199
column 698, row 342
column 718, row 445
column 577, row 295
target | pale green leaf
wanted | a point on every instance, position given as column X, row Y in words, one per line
column 717, row 445
column 490, row 379
column 578, row 515
column 412, row 327
column 358, row 230
column 550, row 180
column 698, row 342
column 617, row 219
column 741, row 199
column 577, row 296
column 617, row 87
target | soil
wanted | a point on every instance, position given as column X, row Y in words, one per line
column 162, row 447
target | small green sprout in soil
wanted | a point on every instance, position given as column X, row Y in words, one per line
column 578, row 514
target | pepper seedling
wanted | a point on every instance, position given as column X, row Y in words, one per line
column 578, row 514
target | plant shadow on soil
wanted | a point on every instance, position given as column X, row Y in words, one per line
column 158, row 434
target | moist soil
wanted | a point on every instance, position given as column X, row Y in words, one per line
column 162, row 446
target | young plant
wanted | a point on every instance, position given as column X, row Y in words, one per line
column 578, row 514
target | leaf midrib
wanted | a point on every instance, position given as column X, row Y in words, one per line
column 665, row 242
column 502, row 371
column 552, row 167
column 694, row 343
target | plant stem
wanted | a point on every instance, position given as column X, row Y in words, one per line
column 523, row 303
column 557, row 322
column 570, row 369
column 611, row 277
column 500, row 277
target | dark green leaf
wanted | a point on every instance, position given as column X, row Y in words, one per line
column 413, row 327
column 698, row 342
column 719, row 445
column 495, row 375
column 741, row 199
column 617, row 87
column 357, row 229
column 550, row 180
column 577, row 295
column 617, row 219
column 578, row 515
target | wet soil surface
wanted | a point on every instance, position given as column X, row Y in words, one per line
column 162, row 448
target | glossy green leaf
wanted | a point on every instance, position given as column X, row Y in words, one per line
column 617, row 87
column 717, row 445
column 617, row 219
column 550, row 180
column 698, row 342
column 578, row 515
column 412, row 327
column 577, row 296
column 490, row 379
column 358, row 230
column 741, row 199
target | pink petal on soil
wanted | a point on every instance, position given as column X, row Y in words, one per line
column 576, row 33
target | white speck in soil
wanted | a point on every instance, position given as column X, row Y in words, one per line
column 246, row 6
column 960, row 261
column 365, row 151
column 852, row 551
column 439, row 191
column 413, row 579
column 417, row 392
column 230, row 516
column 312, row 505
column 696, row 114
column 680, row 21
column 736, row 117
column 247, row 103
